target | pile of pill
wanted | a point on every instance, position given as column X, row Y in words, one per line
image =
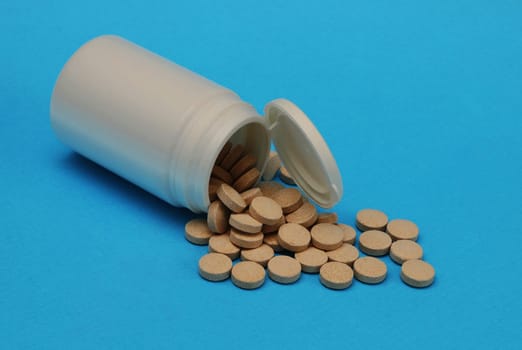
column 275, row 228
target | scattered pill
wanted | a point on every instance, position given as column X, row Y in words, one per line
column 306, row 215
column 273, row 242
column 269, row 188
column 348, row 233
column 345, row 254
column 404, row 249
column 285, row 176
column 232, row 156
column 375, row 243
column 417, row 273
column 223, row 153
column 402, row 229
column 247, row 180
column 371, row 219
column 369, row 270
column 311, row 259
column 221, row 244
column 215, row 267
column 327, row 236
column 327, row 218
column 265, row 210
column 244, row 222
column 250, row 194
column 336, row 275
column 275, row 227
column 290, row 199
column 272, row 166
column 260, row 255
column 243, row 165
column 246, row 240
column 248, row 275
column 284, row 269
column 221, row 174
column 217, row 217
column 293, row 237
column 197, row 231
column 231, row 198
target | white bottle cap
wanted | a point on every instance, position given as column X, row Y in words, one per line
column 304, row 152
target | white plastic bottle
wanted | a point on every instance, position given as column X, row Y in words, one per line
column 162, row 126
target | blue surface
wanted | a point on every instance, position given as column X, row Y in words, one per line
column 420, row 102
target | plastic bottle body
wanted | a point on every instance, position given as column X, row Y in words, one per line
column 150, row 120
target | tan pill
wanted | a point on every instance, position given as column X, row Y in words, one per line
column 293, row 237
column 246, row 240
column 348, row 233
column 224, row 151
column 404, row 249
column 327, row 218
column 402, row 229
column 269, row 188
column 417, row 273
column 260, row 255
column 212, row 188
column 306, row 215
column 221, row 244
column 345, row 254
column 272, row 241
column 248, row 275
column 371, row 219
column 232, row 156
column 272, row 166
column 250, row 194
column 246, row 223
column 215, row 267
column 275, row 227
column 284, row 269
column 311, row 259
column 231, row 198
column 247, row 180
column 285, row 176
column 217, row 217
column 265, row 210
column 375, row 243
column 221, row 174
column 369, row 270
column 290, row 199
column 336, row 275
column 197, row 231
column 327, row 236
column 246, row 163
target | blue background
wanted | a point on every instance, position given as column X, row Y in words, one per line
column 420, row 102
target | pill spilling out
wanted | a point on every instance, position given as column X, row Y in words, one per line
column 271, row 227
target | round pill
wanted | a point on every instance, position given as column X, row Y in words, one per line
column 232, row 156
column 221, row 174
column 248, row 275
column 272, row 241
column 336, row 275
column 404, row 249
column 272, row 166
column 221, row 244
column 375, row 243
column 274, row 228
column 284, row 269
column 244, row 222
column 197, row 231
column 231, row 198
column 269, row 188
column 371, row 219
column 243, row 165
column 327, row 236
column 369, row 270
column 247, row 180
column 348, row 233
column 402, row 229
column 260, row 255
column 293, row 237
column 345, row 254
column 285, row 176
column 289, row 199
column 224, row 151
column 417, row 273
column 265, row 210
column 305, row 215
column 215, row 267
column 246, row 240
column 250, row 194
column 217, row 217
column 327, row 218
column 311, row 259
